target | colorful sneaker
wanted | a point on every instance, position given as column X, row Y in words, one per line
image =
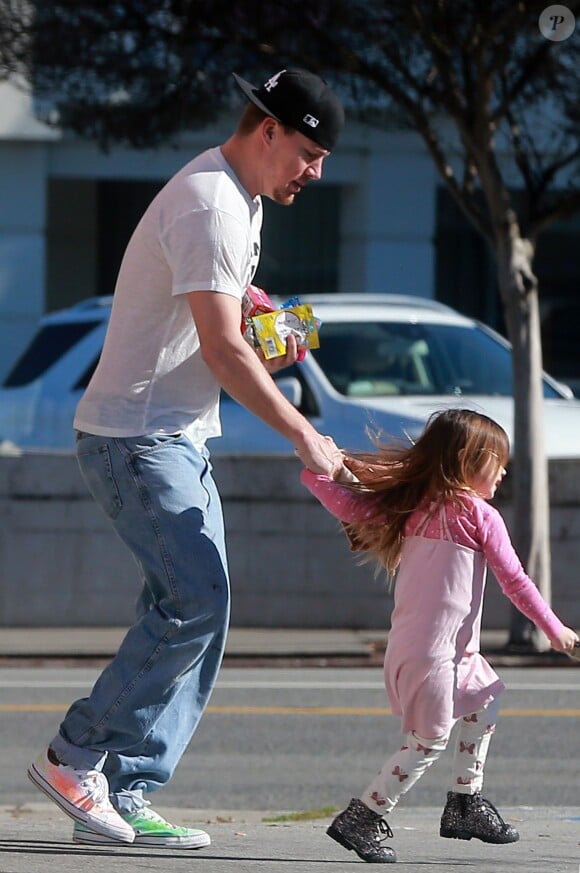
column 82, row 794
column 150, row 829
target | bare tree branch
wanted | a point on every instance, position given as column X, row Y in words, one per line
column 564, row 207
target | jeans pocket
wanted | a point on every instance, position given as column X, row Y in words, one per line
column 153, row 442
column 97, row 471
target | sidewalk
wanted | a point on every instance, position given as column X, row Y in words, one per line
column 251, row 646
column 37, row 836
column 243, row 643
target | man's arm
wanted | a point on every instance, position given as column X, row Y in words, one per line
column 239, row 371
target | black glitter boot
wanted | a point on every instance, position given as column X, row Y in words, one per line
column 471, row 815
column 362, row 830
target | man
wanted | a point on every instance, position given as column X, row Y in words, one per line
column 173, row 341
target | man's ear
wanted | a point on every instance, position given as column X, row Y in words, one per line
column 269, row 129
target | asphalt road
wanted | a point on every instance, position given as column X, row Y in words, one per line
column 302, row 739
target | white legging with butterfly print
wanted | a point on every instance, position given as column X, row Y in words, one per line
column 403, row 769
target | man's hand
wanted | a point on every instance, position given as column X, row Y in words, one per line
column 320, row 454
column 272, row 365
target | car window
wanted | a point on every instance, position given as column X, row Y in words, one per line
column 49, row 345
column 400, row 358
column 86, row 377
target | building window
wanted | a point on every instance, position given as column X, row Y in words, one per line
column 464, row 266
column 300, row 244
column 466, row 279
column 71, row 234
column 120, row 206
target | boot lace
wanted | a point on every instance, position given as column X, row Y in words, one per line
column 488, row 805
column 385, row 832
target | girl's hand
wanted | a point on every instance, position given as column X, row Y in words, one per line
column 345, row 476
column 564, row 642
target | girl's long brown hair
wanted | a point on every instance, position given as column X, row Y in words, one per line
column 453, row 448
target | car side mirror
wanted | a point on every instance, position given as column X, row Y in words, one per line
column 566, row 390
column 291, row 389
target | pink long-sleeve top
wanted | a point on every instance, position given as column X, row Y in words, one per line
column 475, row 524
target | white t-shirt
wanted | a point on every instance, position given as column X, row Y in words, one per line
column 200, row 233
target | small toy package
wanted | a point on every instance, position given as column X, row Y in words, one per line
column 255, row 302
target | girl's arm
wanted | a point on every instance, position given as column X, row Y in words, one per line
column 515, row 583
column 344, row 504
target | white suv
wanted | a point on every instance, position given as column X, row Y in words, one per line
column 385, row 362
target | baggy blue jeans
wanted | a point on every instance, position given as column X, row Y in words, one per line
column 141, row 714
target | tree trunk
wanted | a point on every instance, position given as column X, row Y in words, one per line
column 531, row 505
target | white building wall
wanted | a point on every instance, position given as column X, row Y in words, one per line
column 389, row 217
column 23, row 173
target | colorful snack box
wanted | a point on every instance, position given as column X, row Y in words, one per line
column 272, row 329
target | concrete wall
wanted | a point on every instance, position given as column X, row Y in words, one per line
column 61, row 564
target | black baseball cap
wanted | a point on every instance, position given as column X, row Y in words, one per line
column 301, row 100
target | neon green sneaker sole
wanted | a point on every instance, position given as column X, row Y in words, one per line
column 151, row 830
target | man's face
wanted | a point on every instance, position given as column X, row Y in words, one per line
column 295, row 160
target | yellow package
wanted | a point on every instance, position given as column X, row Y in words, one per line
column 272, row 329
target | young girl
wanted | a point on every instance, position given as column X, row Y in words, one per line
column 422, row 512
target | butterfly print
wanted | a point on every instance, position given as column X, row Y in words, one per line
column 398, row 772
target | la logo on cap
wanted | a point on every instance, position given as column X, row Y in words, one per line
column 273, row 81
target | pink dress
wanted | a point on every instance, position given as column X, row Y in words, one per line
column 434, row 672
